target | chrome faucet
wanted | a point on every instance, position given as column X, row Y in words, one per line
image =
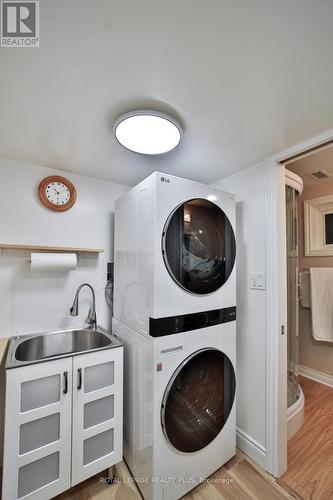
column 74, row 310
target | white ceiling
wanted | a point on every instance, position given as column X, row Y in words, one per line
column 247, row 79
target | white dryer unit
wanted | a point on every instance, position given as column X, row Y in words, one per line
column 179, row 407
column 174, row 256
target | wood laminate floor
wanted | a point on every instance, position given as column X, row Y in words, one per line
column 310, row 451
column 239, row 479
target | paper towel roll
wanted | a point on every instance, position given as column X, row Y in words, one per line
column 53, row 261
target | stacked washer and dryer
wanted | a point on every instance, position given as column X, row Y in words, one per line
column 175, row 311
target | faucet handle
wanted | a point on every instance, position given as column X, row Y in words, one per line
column 91, row 318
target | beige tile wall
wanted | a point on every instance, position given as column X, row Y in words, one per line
column 313, row 354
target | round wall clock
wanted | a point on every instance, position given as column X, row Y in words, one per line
column 57, row 193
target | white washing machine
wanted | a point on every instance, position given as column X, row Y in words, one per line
column 174, row 256
column 179, row 407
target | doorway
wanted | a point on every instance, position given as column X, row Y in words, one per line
column 309, row 265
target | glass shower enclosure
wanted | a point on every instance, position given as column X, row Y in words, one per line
column 292, row 292
column 295, row 401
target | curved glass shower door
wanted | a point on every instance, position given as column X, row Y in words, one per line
column 292, row 197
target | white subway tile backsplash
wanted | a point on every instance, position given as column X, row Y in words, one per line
column 6, row 300
column 40, row 301
column 34, row 302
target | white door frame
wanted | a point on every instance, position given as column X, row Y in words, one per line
column 276, row 306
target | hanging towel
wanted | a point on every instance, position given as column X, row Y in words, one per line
column 321, row 279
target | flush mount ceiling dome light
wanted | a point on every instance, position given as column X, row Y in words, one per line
column 147, row 132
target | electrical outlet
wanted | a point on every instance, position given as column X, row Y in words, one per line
column 257, row 281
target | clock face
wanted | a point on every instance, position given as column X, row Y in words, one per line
column 57, row 193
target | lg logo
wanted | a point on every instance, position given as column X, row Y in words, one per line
column 19, row 24
column 164, row 179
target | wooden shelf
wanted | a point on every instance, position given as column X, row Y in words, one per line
column 41, row 248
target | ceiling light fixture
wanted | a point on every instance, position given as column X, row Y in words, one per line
column 147, row 132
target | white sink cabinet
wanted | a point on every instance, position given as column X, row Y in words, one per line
column 63, row 423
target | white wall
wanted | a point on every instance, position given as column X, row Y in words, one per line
column 34, row 302
column 31, row 301
column 249, row 186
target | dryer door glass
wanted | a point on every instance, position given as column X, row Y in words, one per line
column 199, row 246
column 198, row 400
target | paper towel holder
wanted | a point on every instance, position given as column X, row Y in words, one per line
column 53, row 261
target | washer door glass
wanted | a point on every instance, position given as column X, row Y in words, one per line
column 198, row 400
column 199, row 246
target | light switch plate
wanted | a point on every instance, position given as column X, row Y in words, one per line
column 257, row 281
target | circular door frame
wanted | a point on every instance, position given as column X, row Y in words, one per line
column 164, row 252
column 170, row 384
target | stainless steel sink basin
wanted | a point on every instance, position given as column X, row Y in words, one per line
column 52, row 345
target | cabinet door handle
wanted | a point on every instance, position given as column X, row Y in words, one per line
column 65, row 383
column 79, row 378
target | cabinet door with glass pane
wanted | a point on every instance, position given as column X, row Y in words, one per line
column 97, row 412
column 37, row 430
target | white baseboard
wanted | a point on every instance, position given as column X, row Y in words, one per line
column 320, row 377
column 251, row 447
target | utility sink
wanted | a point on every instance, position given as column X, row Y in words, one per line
column 28, row 349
